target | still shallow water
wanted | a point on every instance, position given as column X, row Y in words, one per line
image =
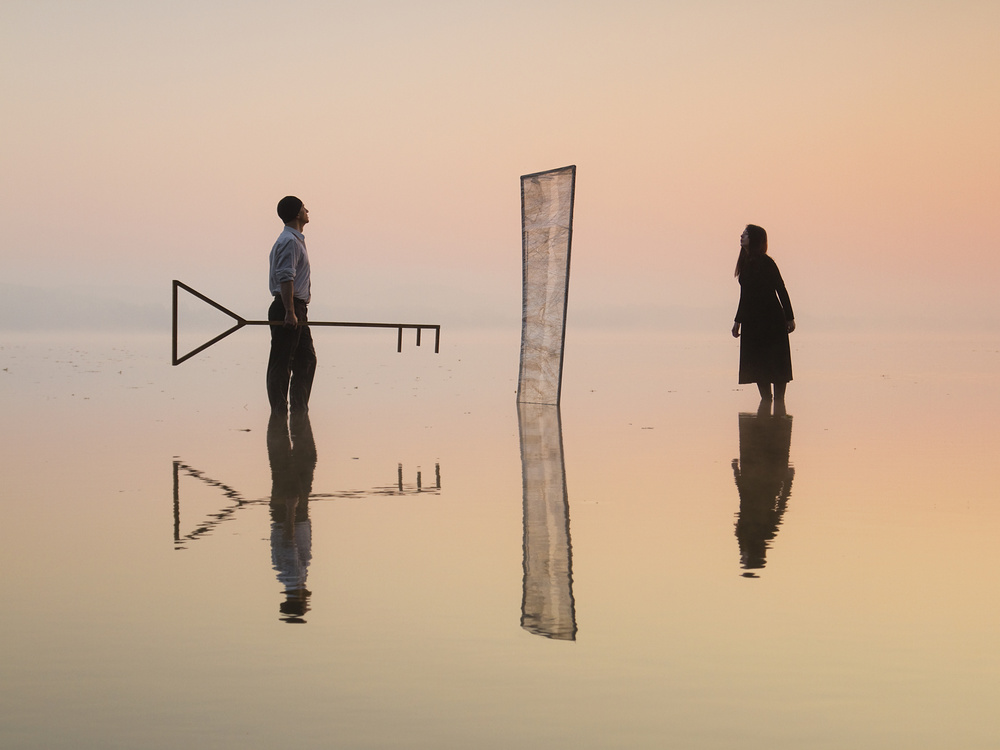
column 657, row 566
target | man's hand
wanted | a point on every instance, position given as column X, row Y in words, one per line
column 791, row 326
column 736, row 330
column 288, row 300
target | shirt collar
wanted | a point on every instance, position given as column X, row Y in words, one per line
column 295, row 233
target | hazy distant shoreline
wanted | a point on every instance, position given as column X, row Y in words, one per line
column 79, row 308
column 24, row 308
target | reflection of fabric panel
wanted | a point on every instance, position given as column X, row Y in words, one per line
column 547, row 607
column 546, row 237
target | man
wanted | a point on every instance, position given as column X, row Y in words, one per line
column 292, row 363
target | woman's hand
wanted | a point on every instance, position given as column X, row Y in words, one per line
column 736, row 330
column 791, row 325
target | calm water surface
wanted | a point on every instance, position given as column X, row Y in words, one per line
column 662, row 564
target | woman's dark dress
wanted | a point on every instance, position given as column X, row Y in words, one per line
column 764, row 311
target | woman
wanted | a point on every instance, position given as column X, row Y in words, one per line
column 765, row 314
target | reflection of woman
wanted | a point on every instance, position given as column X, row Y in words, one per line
column 765, row 314
column 764, row 482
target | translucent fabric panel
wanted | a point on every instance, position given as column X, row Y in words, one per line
column 547, row 605
column 546, row 237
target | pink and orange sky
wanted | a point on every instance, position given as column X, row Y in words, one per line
column 149, row 141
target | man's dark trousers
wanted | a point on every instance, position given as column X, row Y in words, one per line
column 292, row 361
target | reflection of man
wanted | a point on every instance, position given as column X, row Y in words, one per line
column 763, row 480
column 292, row 454
column 292, row 363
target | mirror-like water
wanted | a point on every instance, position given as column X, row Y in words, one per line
column 423, row 565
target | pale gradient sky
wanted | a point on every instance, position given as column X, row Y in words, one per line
column 148, row 141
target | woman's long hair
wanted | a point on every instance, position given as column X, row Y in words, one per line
column 756, row 247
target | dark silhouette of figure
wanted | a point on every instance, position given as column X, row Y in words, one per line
column 292, row 362
column 763, row 480
column 765, row 316
column 291, row 451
